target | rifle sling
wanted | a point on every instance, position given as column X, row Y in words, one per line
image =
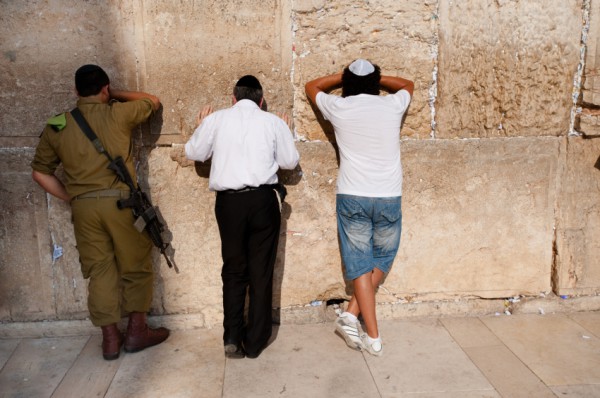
column 89, row 133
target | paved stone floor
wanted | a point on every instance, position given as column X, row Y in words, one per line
column 552, row 355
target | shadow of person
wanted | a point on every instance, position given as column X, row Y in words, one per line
column 144, row 144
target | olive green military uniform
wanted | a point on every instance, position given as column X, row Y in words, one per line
column 112, row 252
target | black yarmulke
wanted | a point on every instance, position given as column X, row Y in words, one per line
column 249, row 81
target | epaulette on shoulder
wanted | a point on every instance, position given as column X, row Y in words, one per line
column 58, row 122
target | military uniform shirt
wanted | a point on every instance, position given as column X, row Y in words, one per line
column 85, row 169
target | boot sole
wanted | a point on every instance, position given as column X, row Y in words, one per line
column 111, row 357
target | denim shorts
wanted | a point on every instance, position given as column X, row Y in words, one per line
column 369, row 231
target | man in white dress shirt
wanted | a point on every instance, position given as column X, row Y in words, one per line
column 247, row 146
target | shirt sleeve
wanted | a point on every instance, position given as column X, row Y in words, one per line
column 132, row 112
column 286, row 154
column 200, row 146
column 45, row 159
column 325, row 103
column 402, row 99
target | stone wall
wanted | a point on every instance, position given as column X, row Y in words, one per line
column 501, row 193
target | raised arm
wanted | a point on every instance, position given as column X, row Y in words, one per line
column 393, row 84
column 324, row 83
column 124, row 96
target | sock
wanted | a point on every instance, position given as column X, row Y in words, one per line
column 375, row 342
column 351, row 317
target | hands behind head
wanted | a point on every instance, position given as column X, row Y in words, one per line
column 204, row 112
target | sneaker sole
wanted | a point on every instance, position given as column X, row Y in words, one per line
column 349, row 342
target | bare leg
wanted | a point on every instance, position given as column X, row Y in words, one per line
column 364, row 292
column 376, row 277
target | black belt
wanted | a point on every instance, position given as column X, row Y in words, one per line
column 247, row 189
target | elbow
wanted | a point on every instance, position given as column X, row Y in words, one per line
column 36, row 176
column 155, row 104
column 410, row 87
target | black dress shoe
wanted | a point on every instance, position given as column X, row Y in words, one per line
column 253, row 354
column 234, row 351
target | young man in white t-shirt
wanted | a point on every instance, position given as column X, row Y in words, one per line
column 369, row 184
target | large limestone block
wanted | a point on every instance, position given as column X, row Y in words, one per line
column 399, row 36
column 43, row 43
column 477, row 218
column 506, row 68
column 577, row 244
column 70, row 289
column 194, row 52
column 308, row 264
column 26, row 269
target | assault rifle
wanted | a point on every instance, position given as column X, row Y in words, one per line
column 144, row 213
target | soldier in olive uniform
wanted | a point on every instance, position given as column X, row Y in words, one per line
column 112, row 252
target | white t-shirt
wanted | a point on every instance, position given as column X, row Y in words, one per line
column 247, row 146
column 367, row 131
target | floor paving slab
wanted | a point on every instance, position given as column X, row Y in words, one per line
column 586, row 391
column 38, row 365
column 556, row 348
column 509, row 376
column 7, row 347
column 420, row 357
column 302, row 361
column 90, row 375
column 188, row 364
column 589, row 320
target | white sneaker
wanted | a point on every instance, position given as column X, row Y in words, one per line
column 373, row 347
column 350, row 331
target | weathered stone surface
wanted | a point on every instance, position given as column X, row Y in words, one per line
column 479, row 214
column 577, row 243
column 26, row 269
column 194, row 52
column 481, row 209
column 45, row 42
column 399, row 36
column 506, row 68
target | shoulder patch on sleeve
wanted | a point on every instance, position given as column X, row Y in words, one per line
column 58, row 122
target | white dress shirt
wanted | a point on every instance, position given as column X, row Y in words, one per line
column 247, row 145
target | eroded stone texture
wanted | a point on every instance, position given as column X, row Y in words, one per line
column 308, row 265
column 70, row 289
column 26, row 288
column 481, row 209
column 506, row 67
column 478, row 214
column 577, row 243
column 399, row 36
column 44, row 43
column 196, row 51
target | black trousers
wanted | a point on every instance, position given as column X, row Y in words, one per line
column 249, row 224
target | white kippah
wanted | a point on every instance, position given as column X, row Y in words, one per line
column 361, row 67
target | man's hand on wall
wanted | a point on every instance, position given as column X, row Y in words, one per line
column 204, row 112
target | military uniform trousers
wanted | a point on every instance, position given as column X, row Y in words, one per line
column 249, row 224
column 113, row 255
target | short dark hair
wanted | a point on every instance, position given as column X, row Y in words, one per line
column 248, row 87
column 89, row 80
column 353, row 84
